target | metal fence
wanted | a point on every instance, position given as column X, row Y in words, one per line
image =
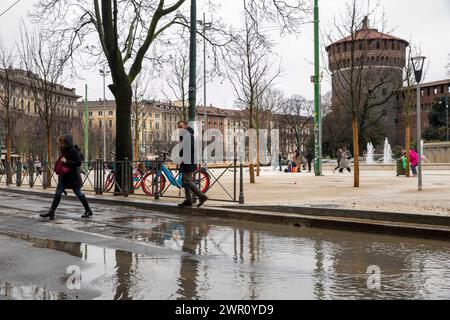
column 152, row 179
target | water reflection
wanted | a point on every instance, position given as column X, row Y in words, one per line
column 255, row 262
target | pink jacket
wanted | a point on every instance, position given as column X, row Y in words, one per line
column 414, row 158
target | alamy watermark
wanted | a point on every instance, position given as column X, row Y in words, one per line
column 374, row 280
column 74, row 280
column 214, row 145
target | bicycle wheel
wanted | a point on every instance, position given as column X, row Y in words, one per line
column 204, row 181
column 149, row 184
column 109, row 182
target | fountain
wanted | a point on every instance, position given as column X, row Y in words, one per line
column 387, row 152
column 370, row 154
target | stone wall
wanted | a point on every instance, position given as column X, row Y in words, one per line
column 438, row 152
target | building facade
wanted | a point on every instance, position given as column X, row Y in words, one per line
column 29, row 129
column 431, row 92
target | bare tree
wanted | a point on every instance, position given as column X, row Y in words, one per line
column 139, row 108
column 360, row 86
column 178, row 81
column 409, row 94
column 448, row 65
column 9, row 103
column 126, row 31
column 266, row 105
column 296, row 114
column 250, row 70
column 44, row 57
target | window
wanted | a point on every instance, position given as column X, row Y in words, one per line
column 111, row 113
column 100, row 124
column 90, row 114
column 100, row 113
column 90, row 123
column 28, row 107
column 436, row 91
column 157, row 116
column 110, row 123
column 157, row 126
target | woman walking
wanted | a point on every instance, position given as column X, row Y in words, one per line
column 68, row 169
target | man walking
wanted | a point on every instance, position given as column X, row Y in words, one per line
column 188, row 169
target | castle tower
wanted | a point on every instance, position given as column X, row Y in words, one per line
column 378, row 60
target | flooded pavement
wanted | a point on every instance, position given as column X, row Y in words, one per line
column 129, row 254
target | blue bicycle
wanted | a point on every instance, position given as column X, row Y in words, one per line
column 202, row 179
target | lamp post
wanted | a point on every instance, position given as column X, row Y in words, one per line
column 193, row 63
column 317, row 107
column 104, row 74
column 206, row 26
column 418, row 63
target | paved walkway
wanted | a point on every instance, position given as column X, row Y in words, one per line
column 380, row 190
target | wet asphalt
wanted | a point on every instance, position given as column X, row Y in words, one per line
column 125, row 253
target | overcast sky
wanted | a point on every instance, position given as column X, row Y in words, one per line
column 426, row 22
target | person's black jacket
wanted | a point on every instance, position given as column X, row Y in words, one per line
column 189, row 167
column 74, row 161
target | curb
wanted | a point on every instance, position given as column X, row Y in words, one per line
column 430, row 227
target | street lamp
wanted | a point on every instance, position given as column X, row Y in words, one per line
column 104, row 74
column 418, row 63
column 206, row 26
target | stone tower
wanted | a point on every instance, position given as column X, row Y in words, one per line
column 377, row 60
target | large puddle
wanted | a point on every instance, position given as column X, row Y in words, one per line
column 254, row 261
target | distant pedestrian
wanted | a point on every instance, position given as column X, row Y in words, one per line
column 339, row 157
column 345, row 163
column 67, row 167
column 414, row 159
column 297, row 160
column 280, row 160
column 38, row 165
column 187, row 171
column 309, row 159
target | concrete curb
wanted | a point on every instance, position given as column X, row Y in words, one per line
column 397, row 224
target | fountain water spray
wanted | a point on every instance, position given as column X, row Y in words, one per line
column 387, row 152
column 370, row 154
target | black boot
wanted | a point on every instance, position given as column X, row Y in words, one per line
column 88, row 212
column 51, row 213
column 202, row 201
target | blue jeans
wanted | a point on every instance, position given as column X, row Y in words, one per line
column 60, row 190
column 414, row 170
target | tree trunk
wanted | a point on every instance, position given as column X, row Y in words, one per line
column 251, row 155
column 408, row 145
column 356, row 151
column 49, row 157
column 124, row 145
column 8, row 156
column 258, row 156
